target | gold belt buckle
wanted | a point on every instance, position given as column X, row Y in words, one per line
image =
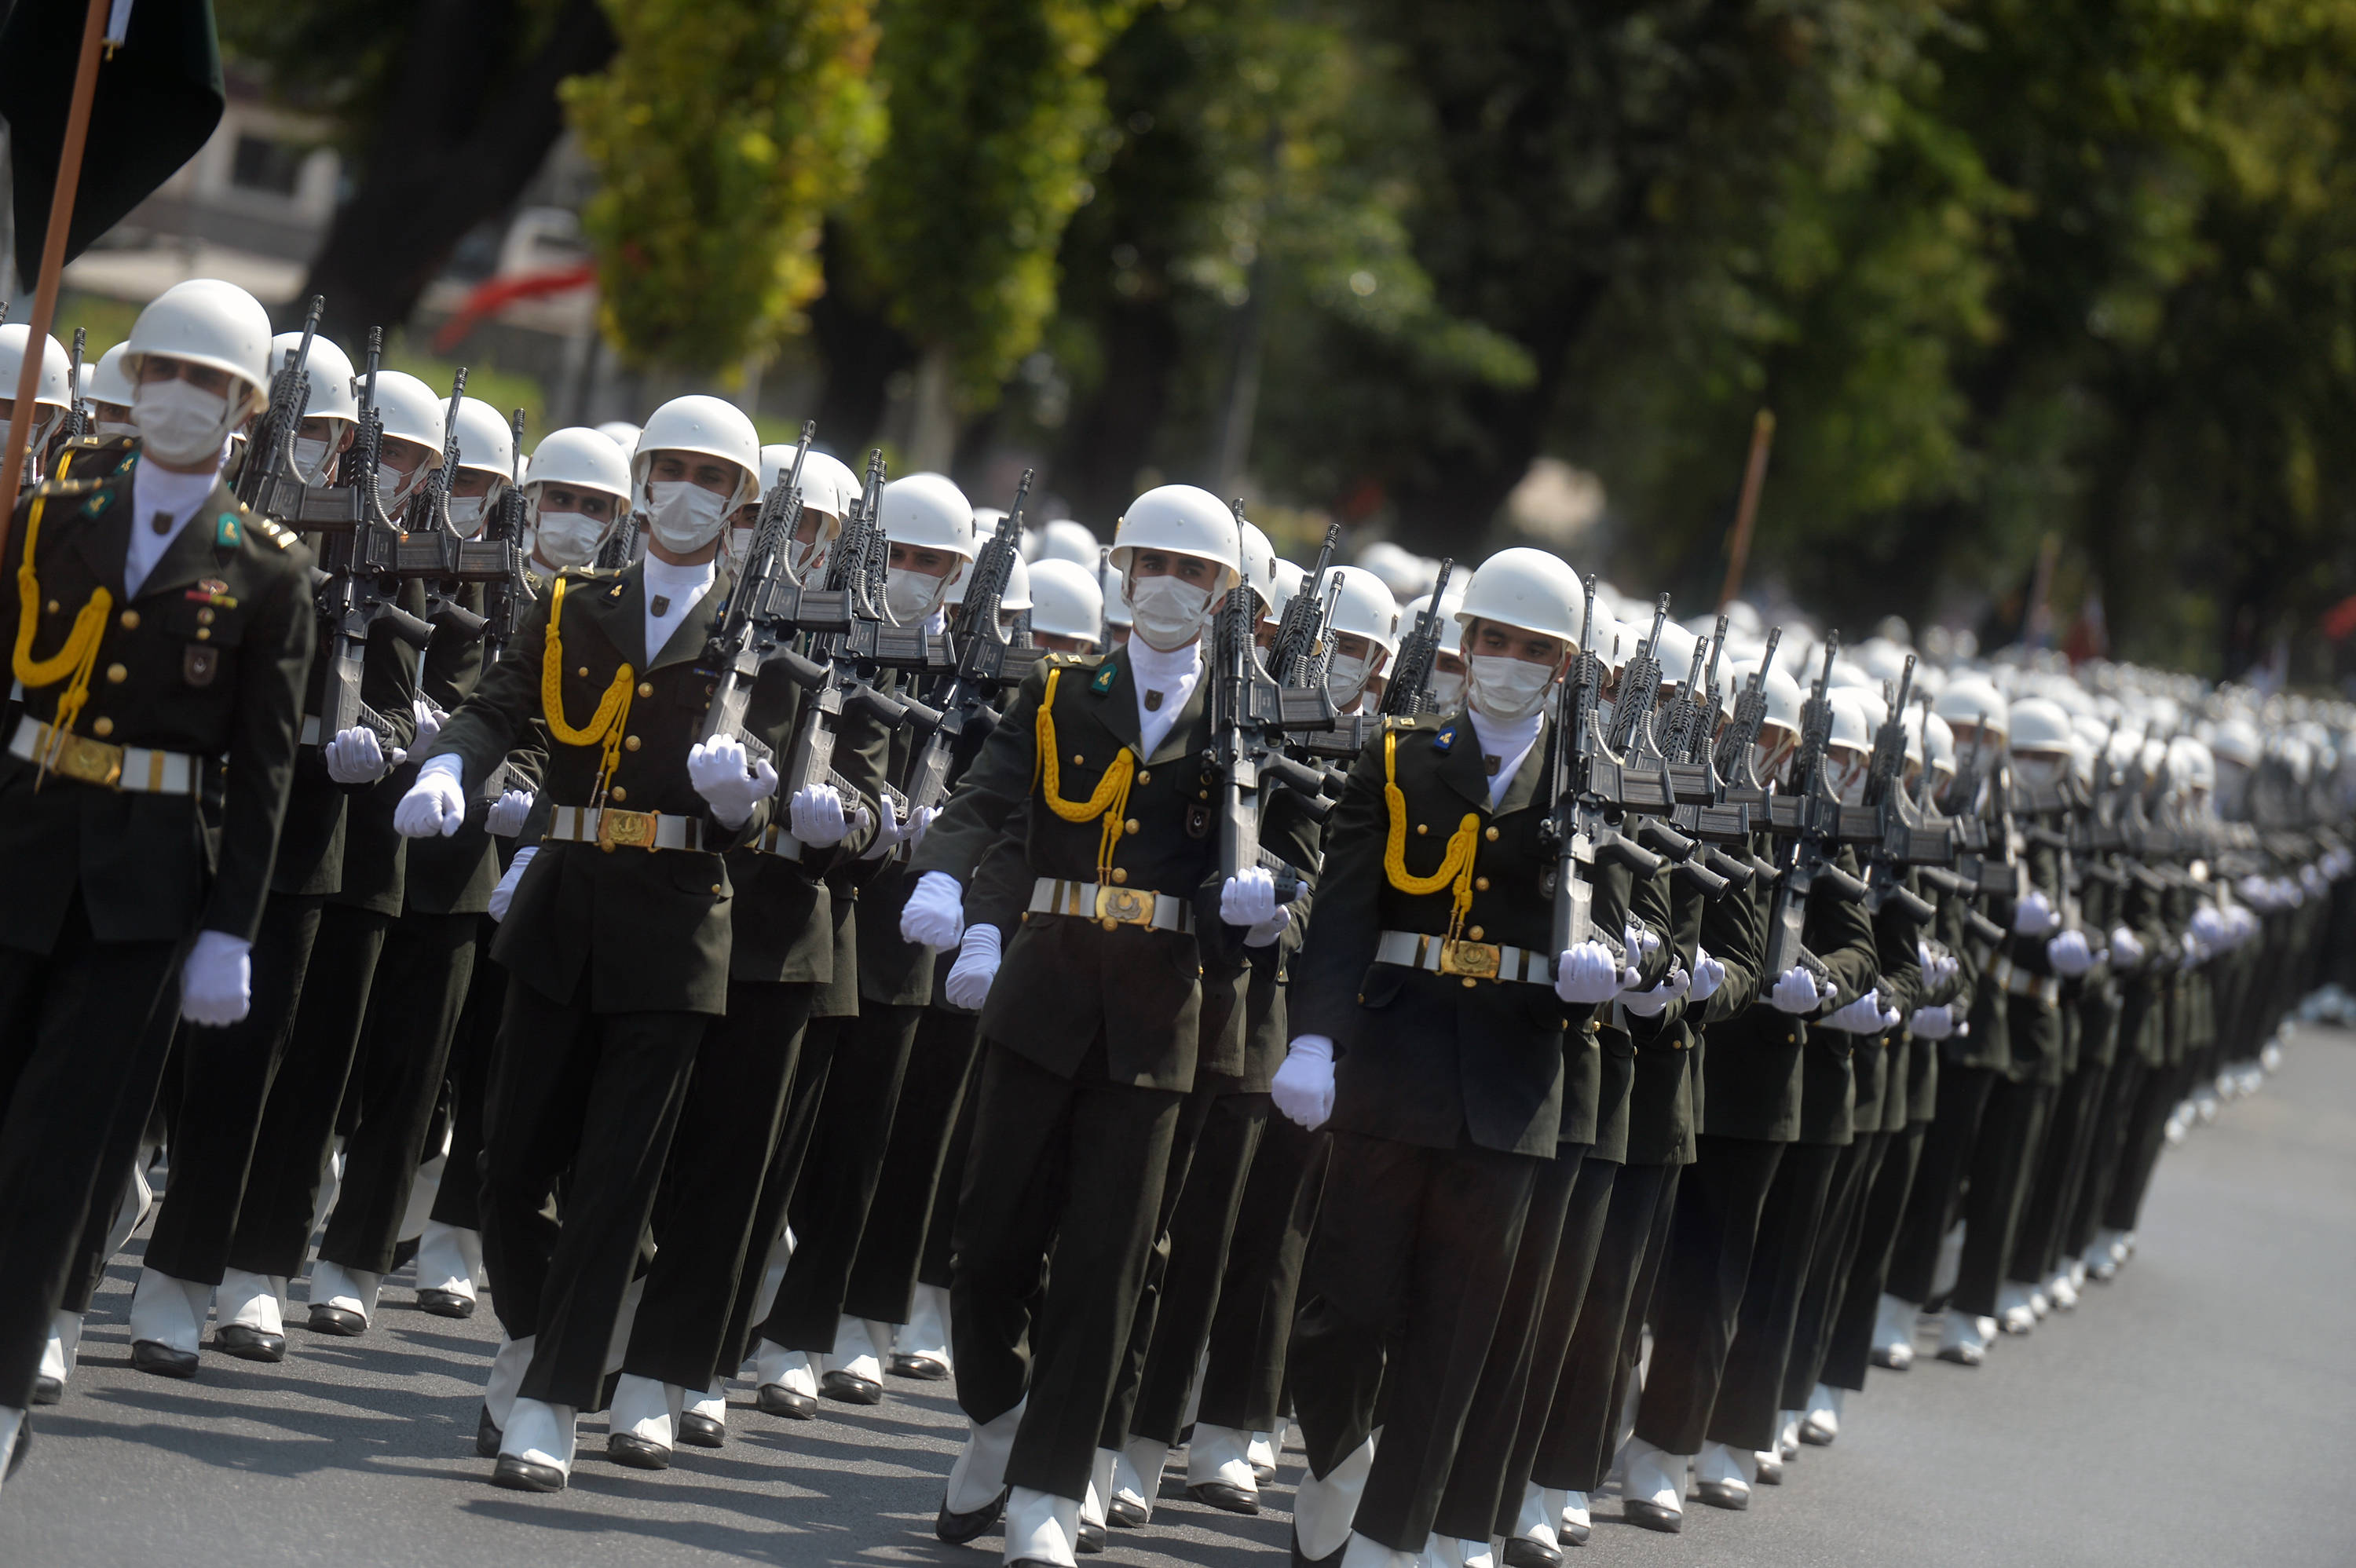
column 92, row 761
column 1474, row 960
column 619, row 829
column 1124, row 906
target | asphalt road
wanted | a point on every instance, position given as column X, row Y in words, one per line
column 2197, row 1412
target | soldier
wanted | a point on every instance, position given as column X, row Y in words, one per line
column 108, row 393
column 51, row 395
column 159, row 628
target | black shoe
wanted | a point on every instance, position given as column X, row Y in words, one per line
column 1653, row 1515
column 48, row 1391
column 1770, row 1470
column 487, row 1434
column 149, row 1356
column 445, row 1304
column 1521, row 1552
column 924, row 1369
column 702, row 1431
column 523, row 1475
column 249, row 1344
column 851, row 1389
column 1302, row 1560
column 340, row 1322
column 1888, row 1361
column 638, row 1453
column 1092, row 1539
column 1722, row 1493
column 1227, row 1499
column 1127, row 1514
column 1264, row 1474
column 1572, row 1534
column 777, row 1399
column 957, row 1528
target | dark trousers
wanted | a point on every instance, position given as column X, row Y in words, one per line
column 1850, row 1350
column 1839, row 1237
column 2011, row 1135
column 706, row 1212
column 1704, row 1270
column 226, row 1080
column 2061, row 1172
column 127, row 1137
column 422, row 980
column 2163, row 1088
column 917, row 1179
column 1570, row 1429
column 1122, row 1402
column 589, row 1099
column 2121, row 1092
column 1750, row 1393
column 1939, row 1175
column 1549, row 1277
column 1413, row 1256
column 1074, row 1165
column 81, row 1050
column 1201, row 1229
column 848, row 1146
column 780, row 1175
column 1244, row 1383
column 459, row 1202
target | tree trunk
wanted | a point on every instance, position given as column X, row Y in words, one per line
column 861, row 350
column 933, row 424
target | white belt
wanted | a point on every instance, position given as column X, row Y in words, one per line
column 310, row 730
column 778, row 839
column 1473, row 960
column 2019, row 982
column 612, row 828
column 138, row 769
column 1111, row 904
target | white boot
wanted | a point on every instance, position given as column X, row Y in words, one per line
column 250, row 1310
column 2013, row 1313
column 1137, row 1481
column 423, row 1189
column 1961, row 1340
column 509, row 1365
column 449, row 1266
column 787, row 1382
column 1821, row 1423
column 2077, row 1267
column 1787, row 1435
column 1365, row 1552
column 14, row 1437
column 617, row 1349
column 704, row 1420
column 1265, row 1446
column 536, row 1448
column 2061, row 1290
column 1324, row 1506
column 1718, row 1479
column 1439, row 1551
column 1476, row 1554
column 1893, row 1334
column 1094, row 1534
column 58, row 1357
column 854, row 1371
column 1950, row 1266
column 1540, row 1518
column 1655, row 1491
column 331, row 1182
column 921, row 1348
column 167, row 1320
column 1219, row 1468
column 1578, row 1521
column 1764, row 1468
column 2038, row 1302
column 1042, row 1528
column 978, row 1480
column 343, row 1301
column 642, row 1423
column 137, row 1201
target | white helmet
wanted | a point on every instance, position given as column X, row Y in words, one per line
column 1781, row 691
column 51, row 396
column 1676, row 652
column 1066, row 600
column 107, row 381
column 1451, row 631
column 327, row 368
column 1065, row 540
column 2040, row 724
column 1363, row 606
column 486, row 441
column 1260, row 567
column 928, row 511
column 828, row 483
column 580, row 457
column 1526, row 589
column 2191, row 764
column 622, row 433
column 1285, row 583
column 1930, row 741
column 1852, row 725
column 1399, row 569
column 1968, row 699
column 206, row 322
column 1115, row 594
column 411, row 411
column 1182, row 520
column 2236, row 741
column 707, row 427
column 1017, row 595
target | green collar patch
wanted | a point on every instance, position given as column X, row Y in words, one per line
column 227, row 535
column 97, row 503
column 1106, row 672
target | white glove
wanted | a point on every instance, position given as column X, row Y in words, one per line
column 1303, row 1087
column 429, row 724
column 2208, row 927
column 436, row 803
column 504, row 894
column 1795, row 992
column 2310, row 878
column 816, row 814
column 355, row 756
column 716, row 768
column 216, row 980
column 1862, row 1016
column 505, row 819
column 1937, row 1023
column 933, row 916
column 2191, row 953
column 1652, row 1003
column 887, row 833
column 2069, row 954
column 919, row 824
column 976, row 967
column 1269, row 930
column 2126, row 947
column 1641, row 941
column 2034, row 916
column 1586, row 976
column 1247, row 898
column 1708, row 975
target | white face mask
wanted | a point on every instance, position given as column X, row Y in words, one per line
column 1848, row 779
column 2037, row 772
column 912, row 596
column 684, row 517
column 1445, row 690
column 113, row 426
column 180, row 423
column 311, row 460
column 569, row 538
column 466, row 513
column 1168, row 614
column 393, row 486
column 1345, row 677
column 1506, row 688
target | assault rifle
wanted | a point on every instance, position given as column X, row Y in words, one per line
column 1702, row 819
column 503, row 598
column 733, row 653
column 1736, row 760
column 76, row 422
column 1586, row 784
column 1640, row 691
column 1301, row 633
column 1903, row 841
column 1404, row 697
column 269, row 481
column 1250, row 717
column 1815, row 824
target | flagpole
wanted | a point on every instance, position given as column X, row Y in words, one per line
column 53, row 261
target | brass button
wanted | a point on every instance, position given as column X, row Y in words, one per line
column 205, row 616
column 715, row 887
column 1027, row 917
column 1564, row 1023
column 1594, row 1026
column 582, row 673
column 1077, row 759
column 1421, row 829
column 1470, row 981
column 646, row 687
column 204, row 634
column 118, row 674
column 1480, row 884
column 1791, row 1039
column 1474, row 934
column 1491, row 836
column 630, row 742
column 55, row 606
column 130, row 620
column 1120, row 875
column 1130, row 827
column 618, row 793
column 1202, row 794
column 1145, row 777
column 104, row 726
column 1110, row 924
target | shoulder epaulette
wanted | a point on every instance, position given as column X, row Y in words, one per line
column 276, row 534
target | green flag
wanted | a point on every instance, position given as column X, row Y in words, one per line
column 160, row 96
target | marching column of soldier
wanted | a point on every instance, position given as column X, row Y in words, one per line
column 748, row 918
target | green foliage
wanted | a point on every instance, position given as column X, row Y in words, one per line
column 723, row 133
